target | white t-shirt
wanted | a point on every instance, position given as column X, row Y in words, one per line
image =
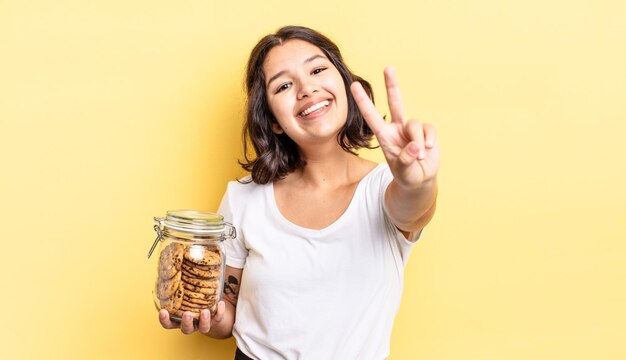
column 315, row 294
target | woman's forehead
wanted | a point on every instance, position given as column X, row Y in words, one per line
column 291, row 53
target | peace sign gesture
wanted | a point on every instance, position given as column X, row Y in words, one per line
column 410, row 147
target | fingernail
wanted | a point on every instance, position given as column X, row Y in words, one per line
column 204, row 314
column 421, row 155
column 413, row 149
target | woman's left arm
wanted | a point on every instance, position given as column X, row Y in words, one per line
column 411, row 149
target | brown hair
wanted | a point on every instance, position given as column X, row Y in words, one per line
column 276, row 154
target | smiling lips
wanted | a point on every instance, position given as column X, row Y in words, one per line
column 314, row 107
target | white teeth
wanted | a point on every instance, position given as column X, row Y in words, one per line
column 319, row 105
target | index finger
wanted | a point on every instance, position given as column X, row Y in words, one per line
column 372, row 117
column 186, row 325
column 394, row 99
column 204, row 325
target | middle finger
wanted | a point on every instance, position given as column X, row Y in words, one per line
column 394, row 99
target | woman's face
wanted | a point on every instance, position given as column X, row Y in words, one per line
column 305, row 92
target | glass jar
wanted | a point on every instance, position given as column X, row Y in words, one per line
column 190, row 271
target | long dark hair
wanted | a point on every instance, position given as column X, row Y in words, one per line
column 276, row 155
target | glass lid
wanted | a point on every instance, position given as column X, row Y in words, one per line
column 194, row 221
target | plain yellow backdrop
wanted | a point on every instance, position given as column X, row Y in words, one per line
column 112, row 112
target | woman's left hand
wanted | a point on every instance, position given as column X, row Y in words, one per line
column 410, row 147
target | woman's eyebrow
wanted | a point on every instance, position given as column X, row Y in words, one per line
column 282, row 72
column 316, row 56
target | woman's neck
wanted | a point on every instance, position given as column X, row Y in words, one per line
column 329, row 167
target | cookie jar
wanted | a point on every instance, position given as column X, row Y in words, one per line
column 190, row 270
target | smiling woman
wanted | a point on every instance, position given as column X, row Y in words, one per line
column 277, row 155
column 316, row 271
column 307, row 96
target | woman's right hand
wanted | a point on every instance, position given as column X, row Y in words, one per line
column 187, row 325
column 221, row 325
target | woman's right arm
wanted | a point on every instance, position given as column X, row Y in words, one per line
column 221, row 326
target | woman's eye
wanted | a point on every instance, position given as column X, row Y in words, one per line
column 283, row 87
column 318, row 70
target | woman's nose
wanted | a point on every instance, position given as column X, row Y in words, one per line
column 307, row 88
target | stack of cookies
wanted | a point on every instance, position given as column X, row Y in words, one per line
column 189, row 278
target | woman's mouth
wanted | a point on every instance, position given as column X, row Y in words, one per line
column 314, row 108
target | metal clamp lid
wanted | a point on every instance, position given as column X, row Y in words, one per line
column 159, row 237
column 193, row 222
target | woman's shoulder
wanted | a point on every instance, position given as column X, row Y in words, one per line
column 242, row 193
column 368, row 165
column 377, row 179
column 373, row 170
column 244, row 187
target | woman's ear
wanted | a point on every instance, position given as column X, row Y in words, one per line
column 276, row 128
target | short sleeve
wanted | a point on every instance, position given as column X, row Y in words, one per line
column 235, row 249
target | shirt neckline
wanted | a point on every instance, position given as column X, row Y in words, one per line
column 341, row 219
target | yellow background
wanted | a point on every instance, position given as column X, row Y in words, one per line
column 112, row 112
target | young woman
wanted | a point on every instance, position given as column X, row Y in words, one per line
column 323, row 235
